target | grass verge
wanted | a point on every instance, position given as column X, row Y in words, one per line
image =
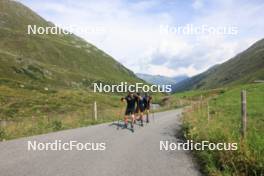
column 223, row 125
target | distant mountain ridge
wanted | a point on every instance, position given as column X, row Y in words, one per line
column 245, row 67
column 161, row 80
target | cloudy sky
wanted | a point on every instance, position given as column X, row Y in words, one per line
column 161, row 37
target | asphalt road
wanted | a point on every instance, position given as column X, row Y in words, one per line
column 126, row 153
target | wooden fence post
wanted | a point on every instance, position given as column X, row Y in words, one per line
column 201, row 102
column 95, row 111
column 243, row 113
column 208, row 111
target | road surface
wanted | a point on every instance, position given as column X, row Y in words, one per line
column 126, row 154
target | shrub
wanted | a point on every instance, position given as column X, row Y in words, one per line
column 56, row 125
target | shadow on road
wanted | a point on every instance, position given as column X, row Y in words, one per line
column 121, row 125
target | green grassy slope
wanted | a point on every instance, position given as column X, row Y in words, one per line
column 224, row 126
column 246, row 67
column 55, row 60
column 44, row 78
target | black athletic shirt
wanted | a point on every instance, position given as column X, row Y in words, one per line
column 140, row 102
column 147, row 100
column 131, row 101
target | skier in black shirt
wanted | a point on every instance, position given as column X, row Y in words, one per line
column 140, row 108
column 147, row 100
column 130, row 109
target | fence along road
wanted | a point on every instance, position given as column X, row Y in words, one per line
column 126, row 154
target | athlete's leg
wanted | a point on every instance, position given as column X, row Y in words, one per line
column 133, row 118
column 126, row 120
column 141, row 118
column 132, row 122
column 137, row 115
column 147, row 115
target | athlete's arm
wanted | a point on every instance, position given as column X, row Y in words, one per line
column 135, row 95
column 123, row 99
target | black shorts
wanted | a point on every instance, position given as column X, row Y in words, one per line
column 140, row 109
column 129, row 111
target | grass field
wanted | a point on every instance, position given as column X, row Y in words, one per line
column 28, row 111
column 224, row 126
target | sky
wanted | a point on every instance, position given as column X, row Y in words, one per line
column 161, row 37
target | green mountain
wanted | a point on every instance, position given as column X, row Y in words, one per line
column 161, row 80
column 44, row 78
column 245, row 67
column 50, row 60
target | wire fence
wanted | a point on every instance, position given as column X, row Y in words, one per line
column 245, row 111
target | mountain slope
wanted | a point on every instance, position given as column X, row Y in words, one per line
column 160, row 80
column 44, row 78
column 55, row 60
column 246, row 67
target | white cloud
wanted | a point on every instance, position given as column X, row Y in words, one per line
column 133, row 35
column 197, row 4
